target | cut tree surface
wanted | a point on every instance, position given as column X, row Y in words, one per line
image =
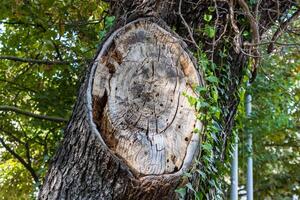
column 140, row 105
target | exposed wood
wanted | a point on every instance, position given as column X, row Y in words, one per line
column 147, row 120
column 88, row 165
column 265, row 13
column 98, row 161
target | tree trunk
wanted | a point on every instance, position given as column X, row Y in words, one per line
column 131, row 133
column 135, row 140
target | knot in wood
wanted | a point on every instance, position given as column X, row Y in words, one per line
column 139, row 105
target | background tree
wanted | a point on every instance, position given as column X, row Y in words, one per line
column 275, row 123
column 45, row 47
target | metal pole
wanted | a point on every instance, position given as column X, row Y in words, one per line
column 250, row 152
column 234, row 171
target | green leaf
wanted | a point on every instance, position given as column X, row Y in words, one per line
column 199, row 195
column 200, row 89
column 209, row 31
column 196, row 130
column 102, row 34
column 207, row 146
column 211, row 8
column 181, row 192
column 246, row 34
column 189, row 186
column 207, row 17
column 192, row 100
column 201, row 104
column 109, row 20
column 202, row 174
column 212, row 79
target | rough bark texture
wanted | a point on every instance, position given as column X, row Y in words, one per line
column 84, row 167
column 144, row 140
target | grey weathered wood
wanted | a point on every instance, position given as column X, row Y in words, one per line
column 147, row 121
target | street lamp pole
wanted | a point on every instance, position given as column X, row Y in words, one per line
column 234, row 171
column 250, row 151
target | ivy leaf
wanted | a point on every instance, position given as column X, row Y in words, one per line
column 202, row 174
column 246, row 34
column 209, row 31
column 199, row 195
column 207, row 146
column 102, row 34
column 196, row 130
column 211, row 9
column 212, row 79
column 181, row 192
column 207, row 17
column 109, row 21
column 192, row 100
column 200, row 89
column 189, row 175
column 189, row 185
column 201, row 104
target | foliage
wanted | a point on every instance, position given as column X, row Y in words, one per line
column 15, row 181
column 211, row 167
column 274, row 123
column 275, row 126
column 60, row 38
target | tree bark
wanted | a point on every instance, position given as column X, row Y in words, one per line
column 93, row 161
column 135, row 139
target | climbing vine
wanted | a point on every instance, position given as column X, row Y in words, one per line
column 210, row 167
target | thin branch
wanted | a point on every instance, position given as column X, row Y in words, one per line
column 252, row 20
column 215, row 27
column 28, row 156
column 24, row 24
column 56, row 47
column 84, row 23
column 284, row 90
column 30, row 114
column 10, row 134
column 287, row 145
column 223, row 33
column 186, row 25
column 255, row 36
column 35, row 61
column 277, row 43
column 22, row 161
column 237, row 38
column 71, row 23
column 17, row 23
column 17, row 85
column 281, row 29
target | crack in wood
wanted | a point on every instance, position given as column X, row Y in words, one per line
column 145, row 119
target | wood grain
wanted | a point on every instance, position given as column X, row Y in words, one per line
column 145, row 119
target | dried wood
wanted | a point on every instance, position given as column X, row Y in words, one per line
column 139, row 106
